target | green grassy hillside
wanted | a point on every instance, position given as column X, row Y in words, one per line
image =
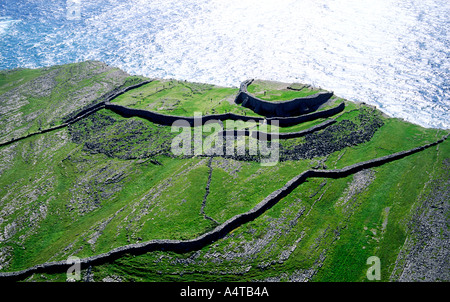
column 107, row 181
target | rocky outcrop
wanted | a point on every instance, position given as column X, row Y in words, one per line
column 294, row 107
column 182, row 246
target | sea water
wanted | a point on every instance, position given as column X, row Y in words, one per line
column 392, row 54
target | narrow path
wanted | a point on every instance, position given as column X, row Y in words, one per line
column 183, row 246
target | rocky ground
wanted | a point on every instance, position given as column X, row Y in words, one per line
column 53, row 93
column 124, row 139
column 426, row 252
column 333, row 138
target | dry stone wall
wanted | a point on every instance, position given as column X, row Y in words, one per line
column 294, row 107
column 181, row 246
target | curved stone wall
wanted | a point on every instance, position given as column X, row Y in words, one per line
column 287, row 135
column 85, row 112
column 220, row 231
column 260, row 135
column 168, row 120
column 295, row 120
column 288, row 108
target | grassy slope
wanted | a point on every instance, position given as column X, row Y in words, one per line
column 37, row 99
column 346, row 235
column 63, row 199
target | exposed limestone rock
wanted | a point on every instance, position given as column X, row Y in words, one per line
column 426, row 253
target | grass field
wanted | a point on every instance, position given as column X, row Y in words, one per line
column 274, row 91
column 183, row 98
column 108, row 181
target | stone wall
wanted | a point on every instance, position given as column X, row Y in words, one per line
column 168, row 120
column 220, row 231
column 288, row 108
column 82, row 113
column 287, row 135
column 295, row 120
column 260, row 135
column 100, row 102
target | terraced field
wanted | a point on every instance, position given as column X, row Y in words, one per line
column 104, row 185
